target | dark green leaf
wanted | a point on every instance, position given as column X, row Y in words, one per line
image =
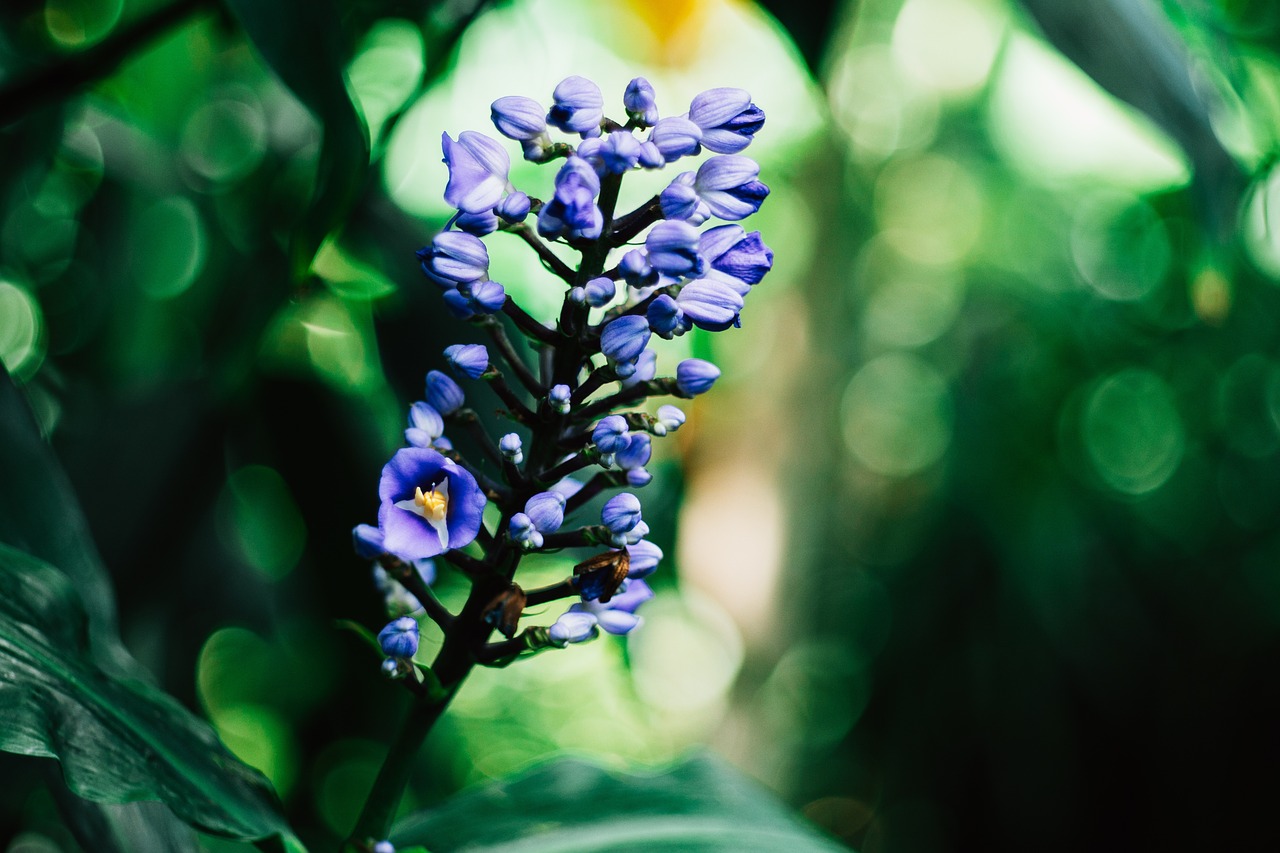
column 570, row 805
column 302, row 42
column 118, row 740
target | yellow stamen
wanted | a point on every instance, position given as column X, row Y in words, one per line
column 434, row 504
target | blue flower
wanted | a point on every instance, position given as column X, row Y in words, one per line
column 454, row 258
column 621, row 513
column 429, row 504
column 676, row 137
column 479, row 224
column 634, row 457
column 709, row 304
column 645, row 368
column 672, row 249
column 426, row 426
column 443, row 394
column 617, row 616
column 622, row 341
column 695, row 376
column 728, row 186
column 670, row 418
column 578, row 108
column 573, row 626
column 665, row 316
column 523, row 531
column 515, row 207
column 680, row 200
column 518, row 118
column 468, row 359
column 478, row 168
column 651, row 156
column 727, row 118
column 511, row 448
column 636, row 271
column 616, row 153
column 399, row 639
column 611, row 434
column 732, row 251
column 546, row 511
column 599, row 292
column 559, row 399
column 572, row 210
column 640, row 102
column 645, row 557
column 487, row 297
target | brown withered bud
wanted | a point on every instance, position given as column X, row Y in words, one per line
column 503, row 613
column 599, row 577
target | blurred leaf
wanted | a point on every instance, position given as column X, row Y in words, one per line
column 118, row 740
column 302, row 43
column 1132, row 50
column 811, row 26
column 570, row 805
column 39, row 514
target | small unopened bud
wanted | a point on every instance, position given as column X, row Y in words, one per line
column 511, row 448
column 559, row 399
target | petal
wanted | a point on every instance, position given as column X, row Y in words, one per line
column 714, row 107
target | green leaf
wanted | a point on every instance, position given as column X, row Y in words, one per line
column 301, row 40
column 118, row 740
column 571, row 806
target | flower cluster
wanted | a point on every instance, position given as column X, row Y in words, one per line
column 580, row 425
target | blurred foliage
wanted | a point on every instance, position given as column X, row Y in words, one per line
column 1008, row 409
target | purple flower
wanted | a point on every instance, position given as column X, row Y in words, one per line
column 665, row 316
column 511, row 448
column 578, row 107
column 670, row 419
column 646, row 367
column 620, row 152
column 634, row 457
column 727, row 118
column 636, row 271
column 572, row 210
column 623, row 340
column 479, row 224
column 640, row 101
column 611, row 434
column 478, row 169
column 425, row 425
column 599, row 292
column 454, row 258
column 680, row 200
column 573, row 626
column 468, row 359
column 559, row 398
column 546, row 511
column 695, row 376
column 728, row 186
column 676, row 137
column 429, row 504
column 621, row 513
column 645, row 557
column 487, row 297
column 399, row 639
column 522, row 530
column 672, row 249
column 515, row 207
column 617, row 616
column 443, row 394
column 518, row 118
column 734, row 252
column 651, row 155
column 710, row 304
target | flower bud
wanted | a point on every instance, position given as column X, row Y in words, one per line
column 425, row 425
column 621, row 513
column 680, row 201
column 521, row 529
column 468, row 359
column 636, row 454
column 511, row 448
column 443, row 394
column 454, row 257
column 636, row 271
column 559, row 398
column 384, row 847
column 391, row 668
column 546, row 511
column 574, row 626
column 672, row 248
column 399, row 639
column 479, row 224
column 728, row 186
column 641, row 102
column 670, row 418
column 695, row 376
column 645, row 557
column 676, row 137
column 611, row 434
column 651, row 156
column 646, row 367
column 515, row 207
column 710, row 304
column 624, row 339
column 518, row 118
column 487, row 297
column 599, row 292
column 727, row 118
column 578, row 107
column 665, row 316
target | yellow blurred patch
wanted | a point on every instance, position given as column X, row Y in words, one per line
column 677, row 26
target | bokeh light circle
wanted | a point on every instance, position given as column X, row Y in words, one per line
column 896, row 415
column 1132, row 433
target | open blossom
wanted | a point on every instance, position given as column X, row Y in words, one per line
column 430, row 504
column 478, row 169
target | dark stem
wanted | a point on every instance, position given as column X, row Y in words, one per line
column 549, row 258
column 634, row 222
column 409, row 578
column 503, row 342
column 636, row 392
column 527, row 324
column 518, row 409
column 579, row 538
column 54, row 82
column 598, row 377
column 564, row 469
column 596, row 485
column 555, row 592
